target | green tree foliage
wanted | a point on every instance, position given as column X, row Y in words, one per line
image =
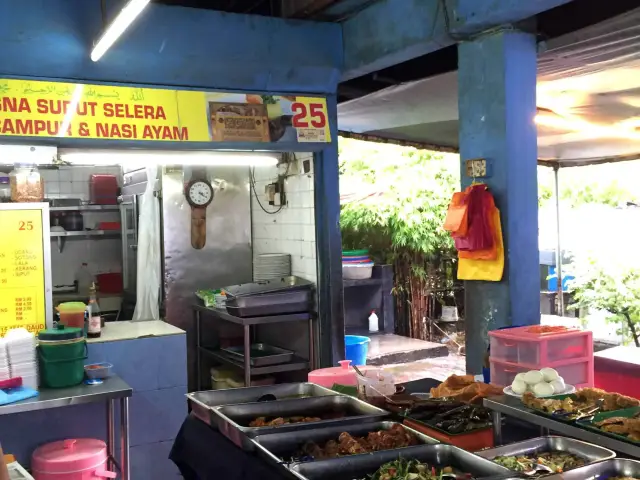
column 611, row 286
column 416, row 188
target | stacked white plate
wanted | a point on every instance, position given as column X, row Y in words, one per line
column 5, row 374
column 21, row 346
column 271, row 265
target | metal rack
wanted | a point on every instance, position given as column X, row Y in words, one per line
column 512, row 406
column 297, row 363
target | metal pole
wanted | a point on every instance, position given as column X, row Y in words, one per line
column 111, row 434
column 560, row 293
column 125, row 469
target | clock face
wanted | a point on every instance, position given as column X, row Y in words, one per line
column 200, row 193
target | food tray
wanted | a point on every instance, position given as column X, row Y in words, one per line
column 604, row 470
column 202, row 403
column 558, row 418
column 626, row 413
column 473, row 440
column 278, row 307
column 591, row 453
column 360, row 466
column 233, row 420
column 261, row 354
column 285, row 284
column 281, row 447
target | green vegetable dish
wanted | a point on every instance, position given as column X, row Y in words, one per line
column 403, row 469
column 557, row 461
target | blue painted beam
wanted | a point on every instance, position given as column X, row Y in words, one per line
column 171, row 45
column 393, row 31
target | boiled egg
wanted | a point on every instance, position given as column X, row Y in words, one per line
column 549, row 374
column 543, row 389
column 558, row 385
column 533, row 377
column 519, row 387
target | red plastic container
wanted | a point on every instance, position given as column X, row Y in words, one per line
column 618, row 370
column 109, row 282
column 518, row 345
column 104, row 189
column 472, row 441
column 576, row 372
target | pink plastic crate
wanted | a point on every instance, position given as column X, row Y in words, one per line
column 517, row 345
column 577, row 372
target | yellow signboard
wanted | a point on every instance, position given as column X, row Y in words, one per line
column 22, row 271
column 30, row 108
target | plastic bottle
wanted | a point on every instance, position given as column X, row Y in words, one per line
column 94, row 329
column 84, row 279
column 373, row 322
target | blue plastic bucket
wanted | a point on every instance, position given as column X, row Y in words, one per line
column 356, row 348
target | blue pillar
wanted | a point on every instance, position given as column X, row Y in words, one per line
column 497, row 105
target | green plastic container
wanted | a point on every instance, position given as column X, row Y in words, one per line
column 61, row 355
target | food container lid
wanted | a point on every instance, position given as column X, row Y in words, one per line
column 71, row 307
column 342, row 375
column 60, row 333
column 69, row 456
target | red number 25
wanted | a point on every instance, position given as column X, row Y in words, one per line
column 318, row 117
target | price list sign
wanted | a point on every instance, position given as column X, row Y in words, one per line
column 22, row 271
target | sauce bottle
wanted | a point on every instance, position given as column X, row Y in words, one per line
column 95, row 321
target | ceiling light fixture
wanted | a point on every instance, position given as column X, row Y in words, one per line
column 169, row 158
column 71, row 110
column 126, row 16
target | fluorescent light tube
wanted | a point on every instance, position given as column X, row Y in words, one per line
column 169, row 158
column 71, row 110
column 126, row 16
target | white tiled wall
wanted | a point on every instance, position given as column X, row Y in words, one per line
column 292, row 230
column 102, row 255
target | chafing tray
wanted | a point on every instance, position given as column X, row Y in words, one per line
column 281, row 447
column 621, row 467
column 202, row 403
column 264, row 354
column 591, row 453
column 360, row 466
column 233, row 420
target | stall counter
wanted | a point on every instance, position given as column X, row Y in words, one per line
column 149, row 356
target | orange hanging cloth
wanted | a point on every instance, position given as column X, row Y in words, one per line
column 456, row 220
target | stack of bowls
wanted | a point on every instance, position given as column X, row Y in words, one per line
column 271, row 265
column 356, row 264
column 21, row 347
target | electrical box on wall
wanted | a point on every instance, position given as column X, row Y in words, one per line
column 478, row 168
column 275, row 194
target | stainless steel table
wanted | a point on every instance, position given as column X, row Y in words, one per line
column 111, row 390
column 512, row 406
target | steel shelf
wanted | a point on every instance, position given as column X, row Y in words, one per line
column 87, row 233
column 86, row 208
column 296, row 364
column 512, row 406
column 224, row 315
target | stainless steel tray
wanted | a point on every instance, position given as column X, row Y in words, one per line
column 233, row 420
column 603, row 470
column 202, row 403
column 360, row 466
column 281, row 447
column 591, row 453
column 272, row 355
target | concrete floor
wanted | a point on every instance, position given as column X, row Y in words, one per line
column 388, row 348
